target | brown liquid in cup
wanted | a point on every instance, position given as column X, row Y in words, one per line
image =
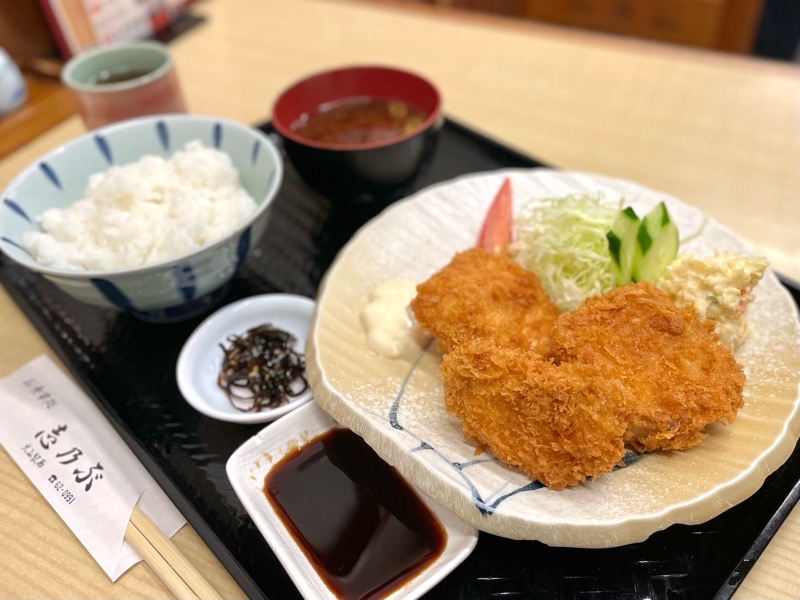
column 117, row 75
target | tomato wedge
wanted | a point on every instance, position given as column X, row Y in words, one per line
column 495, row 232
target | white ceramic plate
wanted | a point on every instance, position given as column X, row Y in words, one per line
column 396, row 404
column 248, row 466
column 201, row 357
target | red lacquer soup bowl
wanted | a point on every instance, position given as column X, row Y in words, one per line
column 359, row 130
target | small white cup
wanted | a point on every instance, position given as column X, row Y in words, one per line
column 12, row 86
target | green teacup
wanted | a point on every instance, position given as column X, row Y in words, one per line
column 122, row 81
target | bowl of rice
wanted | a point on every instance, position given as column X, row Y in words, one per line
column 152, row 215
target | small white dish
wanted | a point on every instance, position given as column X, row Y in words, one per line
column 201, row 357
column 251, row 462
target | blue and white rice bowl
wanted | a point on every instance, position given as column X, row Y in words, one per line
column 165, row 290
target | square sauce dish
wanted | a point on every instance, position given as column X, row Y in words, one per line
column 341, row 521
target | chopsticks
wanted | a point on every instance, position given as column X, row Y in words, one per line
column 168, row 563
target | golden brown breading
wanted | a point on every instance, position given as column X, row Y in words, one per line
column 680, row 378
column 485, row 295
column 559, row 397
column 557, row 424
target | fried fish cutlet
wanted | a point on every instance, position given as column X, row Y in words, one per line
column 557, row 424
column 680, row 378
column 559, row 397
column 479, row 294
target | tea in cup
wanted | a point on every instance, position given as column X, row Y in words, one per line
column 122, row 81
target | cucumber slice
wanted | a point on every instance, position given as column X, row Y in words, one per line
column 656, row 245
column 622, row 245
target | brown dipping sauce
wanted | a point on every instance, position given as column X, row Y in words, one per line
column 360, row 121
column 362, row 527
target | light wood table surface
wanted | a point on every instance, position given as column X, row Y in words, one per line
column 721, row 132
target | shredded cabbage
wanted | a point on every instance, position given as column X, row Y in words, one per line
column 563, row 242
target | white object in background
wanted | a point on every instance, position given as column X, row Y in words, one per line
column 12, row 86
column 75, row 458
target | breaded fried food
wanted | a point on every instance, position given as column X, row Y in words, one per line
column 680, row 378
column 626, row 368
column 480, row 294
column 559, row 397
column 557, row 424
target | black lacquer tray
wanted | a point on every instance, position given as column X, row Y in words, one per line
column 128, row 367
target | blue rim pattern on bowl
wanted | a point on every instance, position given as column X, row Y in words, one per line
column 188, row 295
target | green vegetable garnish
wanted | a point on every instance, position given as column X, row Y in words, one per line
column 622, row 245
column 656, row 245
column 563, row 241
column 579, row 247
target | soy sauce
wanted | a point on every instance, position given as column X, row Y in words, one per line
column 362, row 527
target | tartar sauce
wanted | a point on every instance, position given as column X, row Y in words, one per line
column 392, row 330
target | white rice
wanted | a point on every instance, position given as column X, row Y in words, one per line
column 145, row 212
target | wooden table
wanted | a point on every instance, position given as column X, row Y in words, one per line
column 718, row 131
